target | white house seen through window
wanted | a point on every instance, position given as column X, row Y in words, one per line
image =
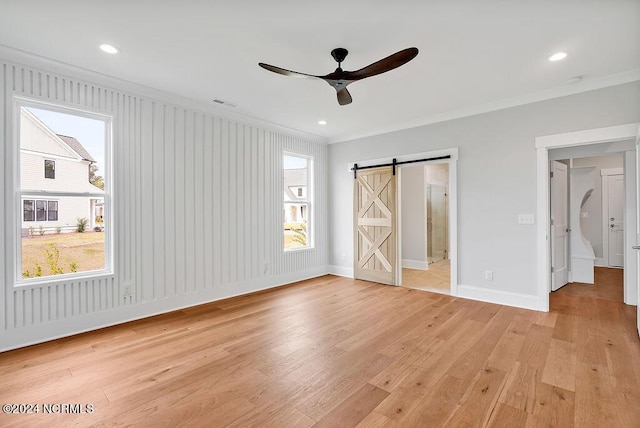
column 63, row 211
column 297, row 204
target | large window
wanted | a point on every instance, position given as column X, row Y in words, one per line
column 297, row 203
column 64, row 212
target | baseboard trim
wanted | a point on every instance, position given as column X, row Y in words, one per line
column 40, row 333
column 415, row 264
column 340, row 271
column 600, row 262
column 518, row 300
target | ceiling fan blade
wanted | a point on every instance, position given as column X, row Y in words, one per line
column 384, row 65
column 344, row 97
column 285, row 72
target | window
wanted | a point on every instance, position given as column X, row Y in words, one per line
column 44, row 210
column 49, row 168
column 28, row 210
column 60, row 230
column 297, row 204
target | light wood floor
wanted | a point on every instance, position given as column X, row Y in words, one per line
column 337, row 352
column 436, row 278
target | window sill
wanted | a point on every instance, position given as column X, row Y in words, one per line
column 56, row 279
column 296, row 250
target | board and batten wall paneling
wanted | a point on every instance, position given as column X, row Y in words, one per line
column 196, row 211
column 5, row 190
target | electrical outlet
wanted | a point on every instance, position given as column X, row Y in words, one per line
column 488, row 275
column 126, row 290
column 265, row 268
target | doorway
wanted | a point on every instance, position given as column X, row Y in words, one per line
column 587, row 216
column 425, row 227
column 378, row 209
column 620, row 138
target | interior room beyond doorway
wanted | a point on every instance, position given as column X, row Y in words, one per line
column 425, row 226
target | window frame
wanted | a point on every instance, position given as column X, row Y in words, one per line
column 21, row 195
column 307, row 200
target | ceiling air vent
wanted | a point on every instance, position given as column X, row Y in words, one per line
column 223, row 102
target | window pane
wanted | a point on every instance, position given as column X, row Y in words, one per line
column 57, row 246
column 295, row 177
column 67, row 145
column 28, row 210
column 41, row 210
column 52, row 213
column 68, row 235
column 295, row 225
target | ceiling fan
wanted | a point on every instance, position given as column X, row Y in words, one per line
column 340, row 79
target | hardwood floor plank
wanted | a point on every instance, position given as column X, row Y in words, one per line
column 507, row 416
column 521, row 386
column 325, row 399
column 480, row 400
column 554, row 407
column 522, row 323
column 503, row 356
column 594, row 397
column 354, row 408
column 474, row 358
column 560, row 367
column 440, row 403
column 376, row 420
column 536, row 346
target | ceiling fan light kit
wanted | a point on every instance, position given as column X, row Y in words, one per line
column 340, row 79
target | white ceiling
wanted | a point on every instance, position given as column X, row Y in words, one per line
column 474, row 55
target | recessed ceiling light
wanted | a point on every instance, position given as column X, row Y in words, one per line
column 322, row 122
column 110, row 49
column 575, row 79
column 558, row 56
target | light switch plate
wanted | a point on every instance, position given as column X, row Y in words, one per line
column 526, row 219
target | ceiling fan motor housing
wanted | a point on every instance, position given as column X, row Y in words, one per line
column 339, row 54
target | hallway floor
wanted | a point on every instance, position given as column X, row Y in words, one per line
column 436, row 279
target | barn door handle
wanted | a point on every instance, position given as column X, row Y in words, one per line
column 636, row 247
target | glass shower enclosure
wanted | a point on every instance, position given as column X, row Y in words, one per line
column 437, row 238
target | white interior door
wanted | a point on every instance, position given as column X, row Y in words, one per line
column 615, row 216
column 559, row 226
column 374, row 225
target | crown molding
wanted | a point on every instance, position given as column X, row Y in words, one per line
column 585, row 85
column 43, row 63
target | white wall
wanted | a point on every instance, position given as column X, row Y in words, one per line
column 197, row 206
column 496, row 179
column 414, row 251
column 592, row 226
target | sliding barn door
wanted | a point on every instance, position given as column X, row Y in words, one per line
column 374, row 225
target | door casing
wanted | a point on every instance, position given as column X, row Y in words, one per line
column 574, row 139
